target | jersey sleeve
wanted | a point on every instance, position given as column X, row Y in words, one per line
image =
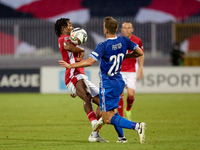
column 132, row 45
column 98, row 52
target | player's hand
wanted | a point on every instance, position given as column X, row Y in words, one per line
column 64, row 64
column 72, row 95
column 140, row 73
column 80, row 56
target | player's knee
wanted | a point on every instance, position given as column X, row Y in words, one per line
column 106, row 120
column 96, row 100
column 131, row 96
column 87, row 97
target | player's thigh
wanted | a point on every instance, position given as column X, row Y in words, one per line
column 93, row 88
column 82, row 90
column 72, row 85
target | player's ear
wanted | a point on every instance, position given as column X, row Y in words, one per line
column 106, row 30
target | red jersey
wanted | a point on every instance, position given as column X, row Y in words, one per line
column 70, row 58
column 129, row 64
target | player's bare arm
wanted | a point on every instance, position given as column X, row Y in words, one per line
column 85, row 63
column 72, row 47
column 136, row 53
column 140, row 69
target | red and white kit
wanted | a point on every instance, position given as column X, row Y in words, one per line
column 130, row 65
column 75, row 74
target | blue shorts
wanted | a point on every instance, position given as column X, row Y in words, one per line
column 109, row 97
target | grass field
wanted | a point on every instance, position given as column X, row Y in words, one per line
column 58, row 122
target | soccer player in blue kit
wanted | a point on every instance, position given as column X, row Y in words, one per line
column 111, row 53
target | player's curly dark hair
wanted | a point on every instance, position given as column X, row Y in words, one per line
column 62, row 22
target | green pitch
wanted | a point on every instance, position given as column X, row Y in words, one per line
column 58, row 122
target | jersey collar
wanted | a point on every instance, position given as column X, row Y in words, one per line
column 111, row 38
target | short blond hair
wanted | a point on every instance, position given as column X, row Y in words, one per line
column 111, row 24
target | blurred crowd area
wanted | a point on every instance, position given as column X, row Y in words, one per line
column 34, row 41
column 169, row 30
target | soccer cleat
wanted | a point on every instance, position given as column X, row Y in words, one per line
column 96, row 139
column 97, row 124
column 128, row 114
column 122, row 140
column 141, row 132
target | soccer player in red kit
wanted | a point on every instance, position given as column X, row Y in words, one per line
column 75, row 79
column 130, row 70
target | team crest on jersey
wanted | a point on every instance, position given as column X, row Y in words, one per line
column 66, row 38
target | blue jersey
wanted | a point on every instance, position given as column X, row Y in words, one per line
column 111, row 54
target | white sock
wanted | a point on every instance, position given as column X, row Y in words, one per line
column 95, row 134
column 93, row 121
column 137, row 126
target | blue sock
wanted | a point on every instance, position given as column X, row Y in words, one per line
column 119, row 121
column 119, row 130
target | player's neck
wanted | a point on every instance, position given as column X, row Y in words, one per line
column 128, row 36
column 65, row 34
column 108, row 35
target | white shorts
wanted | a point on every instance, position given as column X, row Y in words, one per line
column 93, row 89
column 130, row 79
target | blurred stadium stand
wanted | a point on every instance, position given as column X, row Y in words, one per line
column 33, row 43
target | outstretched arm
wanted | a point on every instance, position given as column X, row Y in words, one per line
column 136, row 53
column 72, row 48
column 85, row 63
